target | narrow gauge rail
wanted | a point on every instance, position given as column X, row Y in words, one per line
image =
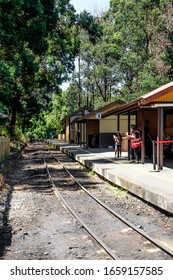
column 36, row 221
column 107, row 248
column 89, row 230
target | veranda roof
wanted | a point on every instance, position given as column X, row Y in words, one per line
column 161, row 96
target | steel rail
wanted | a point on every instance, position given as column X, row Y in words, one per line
column 138, row 230
column 57, row 193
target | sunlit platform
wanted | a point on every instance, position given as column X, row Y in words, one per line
column 140, row 179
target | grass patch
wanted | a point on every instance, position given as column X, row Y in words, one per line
column 118, row 191
column 87, row 170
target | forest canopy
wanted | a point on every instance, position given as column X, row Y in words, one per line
column 122, row 53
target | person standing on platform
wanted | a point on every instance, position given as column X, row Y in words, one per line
column 147, row 140
column 94, row 141
column 135, row 144
column 118, row 140
column 78, row 137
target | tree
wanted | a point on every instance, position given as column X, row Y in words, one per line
column 143, row 30
column 41, row 51
column 125, row 52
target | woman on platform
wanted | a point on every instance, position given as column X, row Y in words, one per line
column 118, row 140
column 135, row 144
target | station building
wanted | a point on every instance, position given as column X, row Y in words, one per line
column 102, row 129
column 72, row 124
column 157, row 108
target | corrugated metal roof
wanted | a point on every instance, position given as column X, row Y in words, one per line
column 78, row 112
column 166, row 98
column 161, row 95
column 103, row 109
column 160, row 92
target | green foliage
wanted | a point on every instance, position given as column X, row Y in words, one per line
column 3, row 130
column 169, row 56
column 132, row 54
column 38, row 46
column 88, row 23
column 6, row 85
column 50, row 121
column 39, row 128
column 121, row 54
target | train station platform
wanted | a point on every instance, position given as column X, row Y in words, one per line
column 140, row 179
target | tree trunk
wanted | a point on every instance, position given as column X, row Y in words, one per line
column 14, row 109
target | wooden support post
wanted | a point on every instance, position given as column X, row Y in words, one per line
column 143, row 141
column 160, row 137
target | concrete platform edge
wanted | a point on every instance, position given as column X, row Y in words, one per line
column 147, row 195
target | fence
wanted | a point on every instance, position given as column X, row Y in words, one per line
column 4, row 147
column 61, row 136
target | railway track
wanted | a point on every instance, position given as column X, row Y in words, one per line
column 105, row 225
column 43, row 229
column 34, row 224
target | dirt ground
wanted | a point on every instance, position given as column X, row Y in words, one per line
column 33, row 222
column 35, row 225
